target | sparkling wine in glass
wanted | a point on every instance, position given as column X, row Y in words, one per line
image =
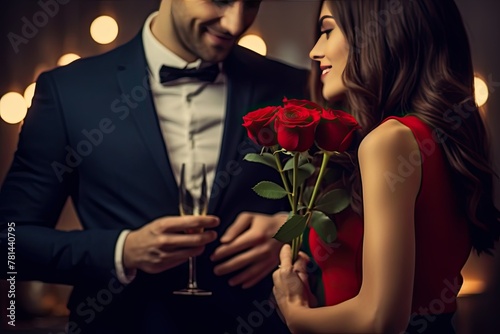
column 193, row 200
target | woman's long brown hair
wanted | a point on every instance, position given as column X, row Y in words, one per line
column 414, row 57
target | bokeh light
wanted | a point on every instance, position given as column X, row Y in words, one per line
column 13, row 107
column 254, row 43
column 104, row 29
column 481, row 91
column 67, row 58
column 29, row 92
column 471, row 287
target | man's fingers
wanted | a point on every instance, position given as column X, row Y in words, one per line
column 166, row 260
column 183, row 240
column 183, row 223
column 164, row 243
column 244, row 241
column 257, row 267
column 235, row 263
column 241, row 224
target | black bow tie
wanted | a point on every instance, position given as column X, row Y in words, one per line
column 208, row 73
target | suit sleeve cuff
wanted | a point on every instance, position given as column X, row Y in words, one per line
column 123, row 277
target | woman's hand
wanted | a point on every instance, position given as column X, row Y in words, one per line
column 291, row 287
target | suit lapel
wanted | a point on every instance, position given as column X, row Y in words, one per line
column 133, row 79
column 239, row 94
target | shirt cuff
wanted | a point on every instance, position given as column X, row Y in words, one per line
column 124, row 278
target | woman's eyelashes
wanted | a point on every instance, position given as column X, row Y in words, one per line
column 326, row 32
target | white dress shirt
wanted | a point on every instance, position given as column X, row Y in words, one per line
column 191, row 115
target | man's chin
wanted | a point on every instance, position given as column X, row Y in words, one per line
column 216, row 57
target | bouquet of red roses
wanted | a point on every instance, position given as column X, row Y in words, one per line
column 292, row 130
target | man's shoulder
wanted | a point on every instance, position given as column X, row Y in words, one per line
column 271, row 79
column 100, row 64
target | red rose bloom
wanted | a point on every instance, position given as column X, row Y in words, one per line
column 260, row 126
column 335, row 131
column 295, row 126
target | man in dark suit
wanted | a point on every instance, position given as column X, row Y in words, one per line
column 111, row 132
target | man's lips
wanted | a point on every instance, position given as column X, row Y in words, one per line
column 219, row 38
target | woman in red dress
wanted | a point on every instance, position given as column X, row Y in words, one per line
column 403, row 69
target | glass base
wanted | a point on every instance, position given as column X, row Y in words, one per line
column 193, row 292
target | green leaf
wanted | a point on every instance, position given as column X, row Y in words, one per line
column 307, row 193
column 291, row 229
column 289, row 163
column 333, row 201
column 302, row 176
column 324, row 227
column 308, row 167
column 264, row 158
column 270, row 190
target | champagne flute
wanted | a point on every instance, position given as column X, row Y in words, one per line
column 193, row 200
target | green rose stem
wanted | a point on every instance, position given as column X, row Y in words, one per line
column 295, row 192
column 322, row 170
column 292, row 196
column 282, row 174
column 296, row 244
column 297, row 241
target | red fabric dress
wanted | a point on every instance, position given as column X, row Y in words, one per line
column 442, row 238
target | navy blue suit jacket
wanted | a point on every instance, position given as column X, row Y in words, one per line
column 93, row 134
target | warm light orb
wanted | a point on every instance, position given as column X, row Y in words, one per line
column 67, row 58
column 471, row 287
column 481, row 91
column 254, row 43
column 29, row 92
column 104, row 29
column 13, row 107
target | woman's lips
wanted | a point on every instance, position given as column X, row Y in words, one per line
column 325, row 72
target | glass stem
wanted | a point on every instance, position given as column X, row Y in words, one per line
column 192, row 273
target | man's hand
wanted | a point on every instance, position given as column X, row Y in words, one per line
column 248, row 245
column 162, row 244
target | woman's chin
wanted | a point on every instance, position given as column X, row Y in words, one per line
column 334, row 97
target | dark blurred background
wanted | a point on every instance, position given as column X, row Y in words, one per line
column 34, row 34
